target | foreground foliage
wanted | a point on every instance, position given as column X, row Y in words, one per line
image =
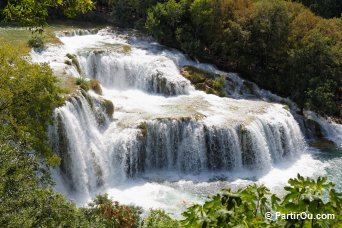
column 28, row 96
column 105, row 212
column 247, row 207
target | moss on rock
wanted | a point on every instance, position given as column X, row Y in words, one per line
column 109, row 107
column 74, row 61
column 143, row 128
column 126, row 49
column 205, row 81
column 83, row 83
column 95, row 86
column 86, row 85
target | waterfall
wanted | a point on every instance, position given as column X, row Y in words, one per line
column 160, row 123
column 76, row 137
column 94, row 157
column 78, row 32
column 148, row 73
column 330, row 129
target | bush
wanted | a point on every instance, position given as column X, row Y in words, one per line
column 103, row 212
column 205, row 81
column 36, row 41
column 159, row 219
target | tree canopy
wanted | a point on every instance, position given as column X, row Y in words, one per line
column 34, row 13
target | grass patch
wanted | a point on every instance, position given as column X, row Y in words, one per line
column 19, row 36
column 68, row 84
column 83, row 83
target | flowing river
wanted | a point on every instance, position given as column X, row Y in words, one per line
column 168, row 145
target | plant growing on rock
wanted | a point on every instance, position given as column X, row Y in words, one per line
column 205, row 81
column 75, row 62
column 82, row 83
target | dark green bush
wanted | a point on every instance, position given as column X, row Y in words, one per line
column 36, row 41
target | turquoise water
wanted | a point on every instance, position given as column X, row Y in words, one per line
column 331, row 156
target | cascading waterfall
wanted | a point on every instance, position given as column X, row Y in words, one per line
column 76, row 138
column 160, row 123
column 330, row 130
column 93, row 157
column 151, row 74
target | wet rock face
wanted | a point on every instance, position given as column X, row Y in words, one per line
column 314, row 129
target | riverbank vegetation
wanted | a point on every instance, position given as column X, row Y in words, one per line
column 280, row 45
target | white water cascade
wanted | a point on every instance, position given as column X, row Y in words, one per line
column 161, row 124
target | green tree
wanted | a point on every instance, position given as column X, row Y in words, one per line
column 26, row 197
column 269, row 28
column 34, row 13
column 158, row 218
column 28, row 96
column 131, row 13
column 315, row 65
column 164, row 19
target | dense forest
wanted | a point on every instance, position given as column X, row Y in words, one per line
column 293, row 48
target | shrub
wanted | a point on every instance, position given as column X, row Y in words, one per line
column 103, row 212
column 205, row 81
column 83, row 83
column 36, row 41
column 158, row 218
column 143, row 128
